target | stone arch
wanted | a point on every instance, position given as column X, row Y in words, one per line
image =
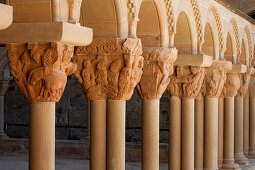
column 217, row 18
column 208, row 47
column 183, row 39
column 108, row 18
column 237, row 40
column 249, row 41
column 197, row 16
column 152, row 27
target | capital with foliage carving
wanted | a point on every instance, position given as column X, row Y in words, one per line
column 215, row 77
column 158, row 66
column 109, row 68
column 186, row 81
column 41, row 70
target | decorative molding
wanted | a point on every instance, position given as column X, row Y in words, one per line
column 41, row 70
column 133, row 11
column 231, row 86
column 248, row 34
column 236, row 32
column 219, row 25
column 170, row 15
column 158, row 66
column 198, row 20
column 109, row 68
column 186, row 82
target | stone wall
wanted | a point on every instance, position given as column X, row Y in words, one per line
column 247, row 6
column 71, row 114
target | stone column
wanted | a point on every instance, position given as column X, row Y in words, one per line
column 185, row 83
column 231, row 86
column 3, row 87
column 109, row 70
column 252, row 118
column 158, row 66
column 212, row 89
column 239, row 123
column 220, row 131
column 199, row 133
column 40, row 71
column 246, row 123
column 175, row 133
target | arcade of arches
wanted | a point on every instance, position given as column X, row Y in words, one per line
column 200, row 53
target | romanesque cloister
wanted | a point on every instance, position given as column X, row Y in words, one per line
column 200, row 52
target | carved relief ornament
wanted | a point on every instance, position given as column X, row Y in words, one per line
column 215, row 77
column 158, row 66
column 244, row 81
column 41, row 70
column 109, row 68
column 231, row 86
column 186, row 81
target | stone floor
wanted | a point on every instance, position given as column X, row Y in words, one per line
column 21, row 163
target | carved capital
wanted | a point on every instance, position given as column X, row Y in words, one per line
column 41, row 70
column 158, row 66
column 244, row 82
column 232, row 85
column 215, row 78
column 109, row 68
column 186, row 81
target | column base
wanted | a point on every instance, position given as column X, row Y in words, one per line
column 3, row 136
column 251, row 153
column 246, row 151
column 220, row 163
column 229, row 164
column 241, row 159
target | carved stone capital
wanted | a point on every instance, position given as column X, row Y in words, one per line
column 244, row 81
column 109, row 68
column 186, row 81
column 231, row 86
column 41, row 70
column 215, row 77
column 158, row 66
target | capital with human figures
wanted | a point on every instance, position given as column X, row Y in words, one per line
column 109, row 68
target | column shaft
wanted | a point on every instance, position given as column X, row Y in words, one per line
column 150, row 135
column 199, row 133
column 228, row 162
column 252, row 128
column 98, row 135
column 220, row 131
column 246, row 124
column 239, row 157
column 211, row 134
column 187, row 134
column 42, row 136
column 175, row 133
column 116, row 134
